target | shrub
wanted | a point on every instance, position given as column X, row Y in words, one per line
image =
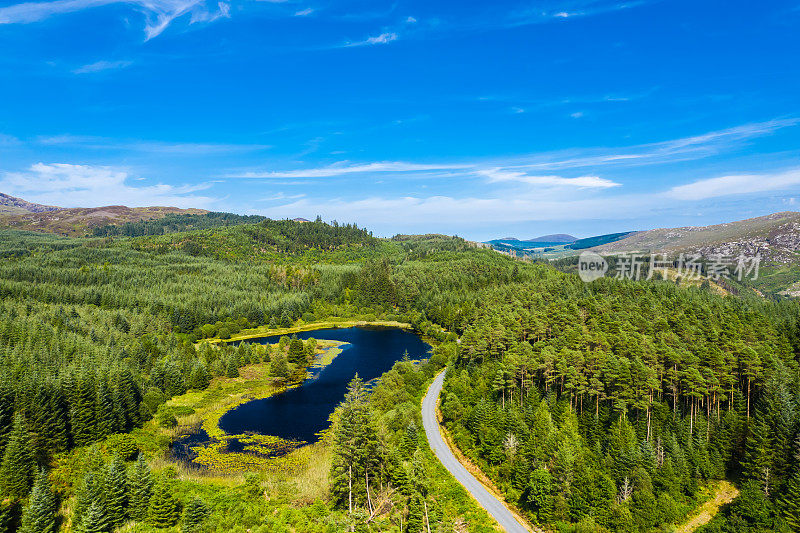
column 123, row 445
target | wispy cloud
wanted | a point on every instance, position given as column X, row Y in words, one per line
column 281, row 196
column 100, row 66
column 736, row 184
column 568, row 9
column 584, row 182
column 71, row 185
column 304, row 12
column 535, row 169
column 158, row 14
column 426, row 213
column 469, row 212
column 671, row 151
column 343, row 168
column 149, row 146
column 383, row 38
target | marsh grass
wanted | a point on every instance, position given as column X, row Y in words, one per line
column 333, row 322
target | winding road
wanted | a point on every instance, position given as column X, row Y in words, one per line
column 493, row 506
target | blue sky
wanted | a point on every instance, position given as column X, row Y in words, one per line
column 483, row 119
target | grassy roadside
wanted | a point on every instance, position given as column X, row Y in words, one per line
column 478, row 474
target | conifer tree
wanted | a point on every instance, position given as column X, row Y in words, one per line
column 141, row 489
column 116, row 492
column 90, row 494
column 39, row 515
column 356, row 452
column 759, row 454
column 82, row 414
column 194, row 516
column 18, row 466
column 278, row 366
column 164, row 509
column 232, row 368
column 296, row 351
column 94, row 520
column 199, row 377
column 416, row 515
column 56, row 423
column 105, row 416
column 6, row 412
column 410, row 439
column 540, row 494
column 789, row 501
column 397, row 473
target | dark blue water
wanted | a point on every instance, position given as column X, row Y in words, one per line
column 301, row 412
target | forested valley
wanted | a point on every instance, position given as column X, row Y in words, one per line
column 593, row 407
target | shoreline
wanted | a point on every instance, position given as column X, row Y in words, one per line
column 265, row 331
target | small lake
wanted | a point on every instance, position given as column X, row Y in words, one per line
column 301, row 412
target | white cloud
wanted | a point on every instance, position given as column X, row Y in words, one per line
column 411, row 20
column 577, row 114
column 584, row 182
column 158, row 147
column 70, row 185
column 158, row 14
column 430, row 213
column 304, row 12
column 342, row 169
column 383, row 38
column 675, row 150
column 100, row 66
column 281, row 196
column 736, row 184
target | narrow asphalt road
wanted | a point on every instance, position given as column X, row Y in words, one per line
column 493, row 506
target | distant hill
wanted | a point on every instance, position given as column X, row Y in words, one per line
column 590, row 242
column 81, row 221
column 11, row 205
column 557, row 237
column 776, row 237
column 546, row 243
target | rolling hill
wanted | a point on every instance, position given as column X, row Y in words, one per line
column 11, row 205
column 557, row 237
column 81, row 221
column 776, row 237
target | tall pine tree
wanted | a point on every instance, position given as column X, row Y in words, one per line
column 39, row 515
column 789, row 501
column 95, row 520
column 195, row 516
column 165, row 509
column 141, row 489
column 356, row 448
column 18, row 466
column 116, row 492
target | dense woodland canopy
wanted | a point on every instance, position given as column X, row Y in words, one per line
column 172, row 223
column 591, row 406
